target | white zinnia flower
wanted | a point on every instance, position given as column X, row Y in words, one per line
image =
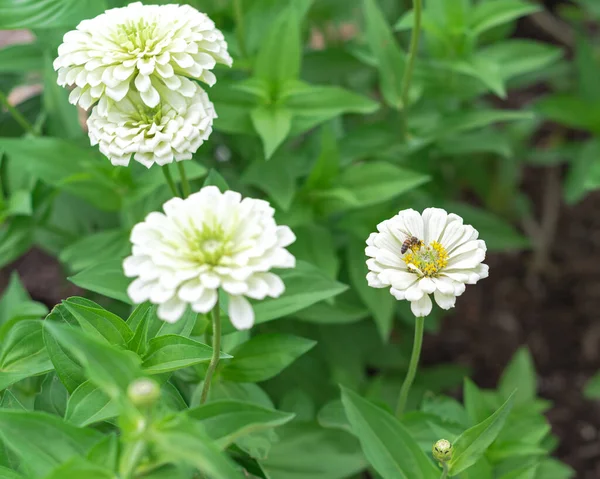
column 442, row 257
column 144, row 45
column 208, row 241
column 173, row 130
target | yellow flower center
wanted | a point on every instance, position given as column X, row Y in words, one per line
column 430, row 260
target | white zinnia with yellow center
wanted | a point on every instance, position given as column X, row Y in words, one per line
column 208, row 241
column 173, row 130
column 143, row 45
column 446, row 256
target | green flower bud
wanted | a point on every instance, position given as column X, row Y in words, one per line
column 143, row 392
column 442, row 450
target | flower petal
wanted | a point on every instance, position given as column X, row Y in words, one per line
column 241, row 313
column 422, row 307
column 444, row 301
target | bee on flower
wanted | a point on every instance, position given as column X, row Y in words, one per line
column 416, row 255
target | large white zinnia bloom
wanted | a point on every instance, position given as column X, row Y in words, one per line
column 208, row 241
column 173, row 130
column 442, row 258
column 142, row 45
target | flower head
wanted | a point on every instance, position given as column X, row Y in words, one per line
column 172, row 130
column 442, row 450
column 145, row 45
column 208, row 241
column 416, row 255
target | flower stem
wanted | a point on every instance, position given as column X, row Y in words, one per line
column 16, row 114
column 445, row 470
column 410, row 61
column 216, row 345
column 185, row 184
column 240, row 29
column 169, row 178
column 412, row 367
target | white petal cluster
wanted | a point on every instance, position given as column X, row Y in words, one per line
column 173, row 130
column 208, row 241
column 141, row 46
column 441, row 256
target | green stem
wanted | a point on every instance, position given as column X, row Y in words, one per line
column 445, row 470
column 240, row 30
column 131, row 457
column 185, row 184
column 170, row 182
column 412, row 367
column 216, row 345
column 411, row 59
column 16, row 114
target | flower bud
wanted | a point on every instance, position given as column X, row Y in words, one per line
column 143, row 392
column 442, row 450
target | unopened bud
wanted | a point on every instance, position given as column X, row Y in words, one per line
column 442, row 450
column 143, row 392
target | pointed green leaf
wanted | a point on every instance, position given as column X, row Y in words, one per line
column 105, row 278
column 225, row 421
column 387, row 445
column 88, row 405
column 42, row 441
column 273, row 125
column 264, row 356
column 487, row 15
column 108, row 367
column 473, row 443
column 78, row 468
column 390, row 58
column 16, row 14
column 171, row 352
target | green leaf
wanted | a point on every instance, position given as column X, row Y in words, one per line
column 16, row 14
column 68, row 369
column 273, row 125
column 386, row 443
column 105, row 278
column 315, row 244
column 6, row 473
column 265, row 356
column 592, row 387
column 171, row 352
column 22, row 353
column 487, row 15
column 312, row 105
column 304, row 285
column 327, row 166
column 65, row 165
column 185, row 441
column 578, row 180
column 215, row 178
column 108, row 367
column 473, row 443
column 88, row 404
column 96, row 248
column 572, row 111
column 16, row 239
column 306, row 450
column 16, row 305
column 98, row 322
column 390, row 58
column 380, row 302
column 280, row 54
column 225, row 421
column 53, row 396
column 475, row 402
column 21, row 57
column 275, row 177
column 78, row 468
column 519, row 375
column 42, row 441
column 19, row 204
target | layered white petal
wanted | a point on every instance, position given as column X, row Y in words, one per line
column 172, row 131
column 208, row 241
column 141, row 45
column 447, row 256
